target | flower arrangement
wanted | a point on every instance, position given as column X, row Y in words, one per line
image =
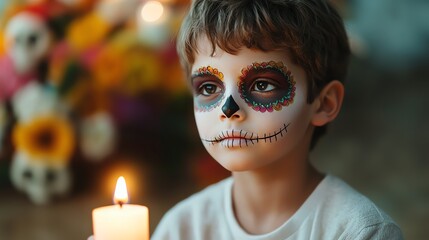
column 63, row 67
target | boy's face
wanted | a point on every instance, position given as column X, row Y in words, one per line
column 250, row 108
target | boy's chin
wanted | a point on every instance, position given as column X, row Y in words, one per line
column 237, row 161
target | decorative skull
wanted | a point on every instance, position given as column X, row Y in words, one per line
column 36, row 99
column 97, row 136
column 27, row 41
column 40, row 179
column 44, row 141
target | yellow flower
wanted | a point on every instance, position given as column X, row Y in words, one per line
column 1, row 44
column 109, row 68
column 50, row 138
column 87, row 32
column 143, row 69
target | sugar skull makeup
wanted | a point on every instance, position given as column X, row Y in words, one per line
column 208, row 88
column 231, row 138
column 250, row 107
column 267, row 86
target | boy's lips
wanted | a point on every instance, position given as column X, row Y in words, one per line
column 240, row 138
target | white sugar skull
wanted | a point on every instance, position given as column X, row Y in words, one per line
column 27, row 40
column 97, row 136
column 39, row 179
column 35, row 100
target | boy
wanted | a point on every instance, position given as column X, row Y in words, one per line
column 266, row 77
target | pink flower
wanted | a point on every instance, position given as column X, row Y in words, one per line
column 10, row 80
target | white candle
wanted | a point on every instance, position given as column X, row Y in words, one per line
column 121, row 221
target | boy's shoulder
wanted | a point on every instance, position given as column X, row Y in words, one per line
column 338, row 204
column 334, row 193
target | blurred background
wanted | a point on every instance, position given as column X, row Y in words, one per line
column 91, row 90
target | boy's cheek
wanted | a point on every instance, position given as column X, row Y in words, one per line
column 205, row 120
column 207, row 117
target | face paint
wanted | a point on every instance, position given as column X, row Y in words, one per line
column 209, row 71
column 267, row 86
column 230, row 107
column 235, row 138
column 208, row 88
column 250, row 138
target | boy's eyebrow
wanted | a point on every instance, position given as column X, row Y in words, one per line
column 208, row 70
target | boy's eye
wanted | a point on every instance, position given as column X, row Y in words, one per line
column 267, row 86
column 263, row 86
column 209, row 89
column 208, row 94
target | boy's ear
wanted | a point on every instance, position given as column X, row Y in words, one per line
column 328, row 103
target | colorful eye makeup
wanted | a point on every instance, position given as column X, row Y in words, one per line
column 208, row 71
column 267, row 86
column 264, row 86
column 208, row 88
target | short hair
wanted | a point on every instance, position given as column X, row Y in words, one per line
column 312, row 32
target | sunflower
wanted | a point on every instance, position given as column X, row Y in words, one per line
column 50, row 138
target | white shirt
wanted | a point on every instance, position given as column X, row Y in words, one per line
column 333, row 211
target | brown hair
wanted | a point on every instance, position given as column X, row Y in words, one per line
column 310, row 30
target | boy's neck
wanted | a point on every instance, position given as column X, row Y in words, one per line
column 264, row 200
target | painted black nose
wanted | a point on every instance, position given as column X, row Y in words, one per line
column 230, row 107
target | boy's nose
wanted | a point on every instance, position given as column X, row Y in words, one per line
column 230, row 107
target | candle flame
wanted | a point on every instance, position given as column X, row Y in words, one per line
column 121, row 194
